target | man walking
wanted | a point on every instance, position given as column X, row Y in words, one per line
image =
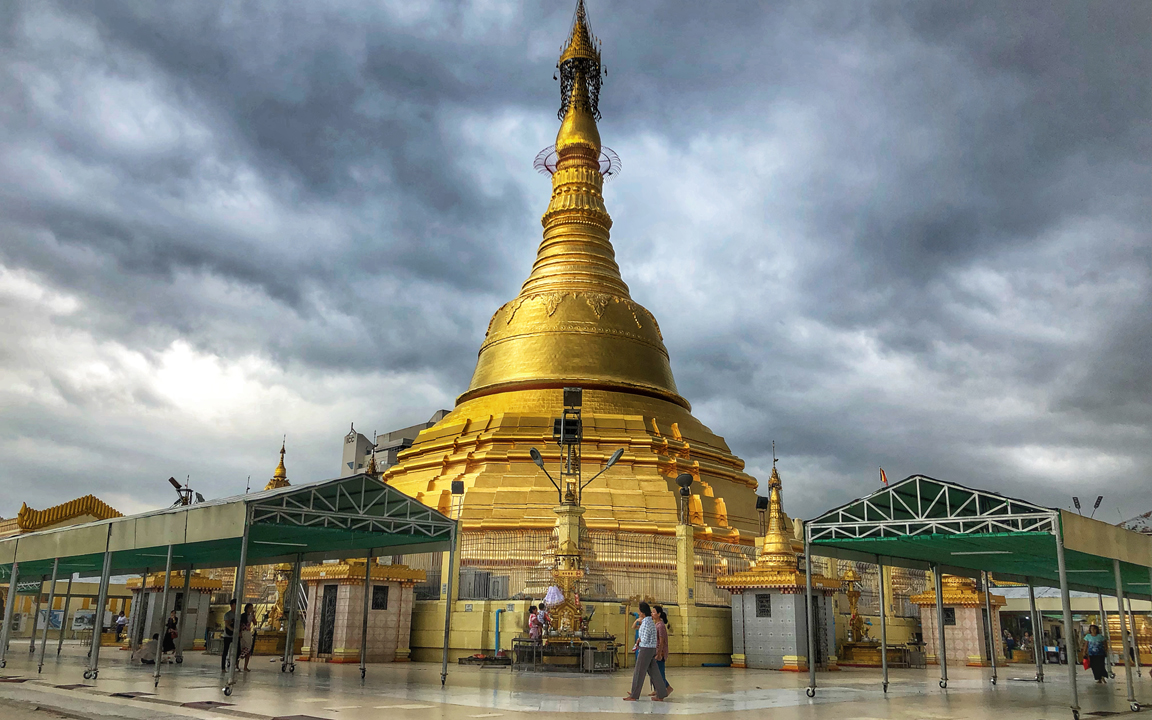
column 646, row 658
column 229, row 631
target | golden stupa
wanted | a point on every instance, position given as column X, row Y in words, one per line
column 280, row 475
column 574, row 324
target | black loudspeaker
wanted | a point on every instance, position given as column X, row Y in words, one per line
column 573, row 397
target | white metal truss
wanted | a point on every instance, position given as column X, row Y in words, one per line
column 358, row 503
column 920, row 506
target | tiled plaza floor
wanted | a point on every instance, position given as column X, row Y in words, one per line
column 404, row 691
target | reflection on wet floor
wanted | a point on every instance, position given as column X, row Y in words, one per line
column 412, row 690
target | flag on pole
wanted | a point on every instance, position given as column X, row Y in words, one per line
column 883, row 477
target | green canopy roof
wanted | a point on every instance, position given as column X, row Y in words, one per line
column 919, row 522
column 332, row 519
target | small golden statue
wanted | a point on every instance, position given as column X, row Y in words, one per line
column 857, row 630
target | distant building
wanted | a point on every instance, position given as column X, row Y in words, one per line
column 1141, row 523
column 359, row 451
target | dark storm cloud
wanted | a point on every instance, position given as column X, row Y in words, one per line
column 909, row 234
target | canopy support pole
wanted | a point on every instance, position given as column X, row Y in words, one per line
column 138, row 610
column 364, row 620
column 292, row 599
column 36, row 616
column 68, row 601
column 991, row 625
column 941, row 643
column 183, row 611
column 811, row 691
column 101, row 600
column 1107, row 639
column 448, row 610
column 1066, row 604
column 239, row 588
column 1037, row 633
column 163, row 617
column 1123, row 631
column 1135, row 645
column 8, row 603
column 883, row 625
column 48, row 615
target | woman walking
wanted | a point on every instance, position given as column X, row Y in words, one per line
column 247, row 633
column 1095, row 647
column 646, row 659
column 661, row 619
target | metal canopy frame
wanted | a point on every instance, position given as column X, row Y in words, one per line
column 396, row 513
column 924, row 523
column 919, row 505
column 350, row 517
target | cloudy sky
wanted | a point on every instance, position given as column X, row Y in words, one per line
column 909, row 235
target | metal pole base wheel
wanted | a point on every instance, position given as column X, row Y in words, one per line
column 227, row 691
column 810, row 692
column 363, row 672
column 1075, row 715
column 87, row 674
column 3, row 663
column 885, row 687
column 1135, row 706
column 993, row 681
column 179, row 661
column 291, row 667
column 283, row 667
column 943, row 684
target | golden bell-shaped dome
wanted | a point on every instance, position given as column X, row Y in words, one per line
column 574, row 322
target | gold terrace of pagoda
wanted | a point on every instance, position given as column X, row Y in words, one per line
column 575, row 324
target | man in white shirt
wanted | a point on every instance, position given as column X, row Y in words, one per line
column 646, row 659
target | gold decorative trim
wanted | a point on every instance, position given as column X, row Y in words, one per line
column 351, row 573
column 28, row 519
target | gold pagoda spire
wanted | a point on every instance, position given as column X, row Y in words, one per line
column 574, row 322
column 776, row 552
column 280, row 476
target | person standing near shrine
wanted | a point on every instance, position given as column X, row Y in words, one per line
column 229, row 633
column 534, row 624
column 121, row 623
column 247, row 633
column 170, row 634
column 646, row 645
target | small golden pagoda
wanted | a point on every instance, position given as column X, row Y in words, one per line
column 777, row 564
column 280, row 476
column 778, row 573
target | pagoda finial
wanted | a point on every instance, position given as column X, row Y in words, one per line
column 580, row 76
column 280, row 476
